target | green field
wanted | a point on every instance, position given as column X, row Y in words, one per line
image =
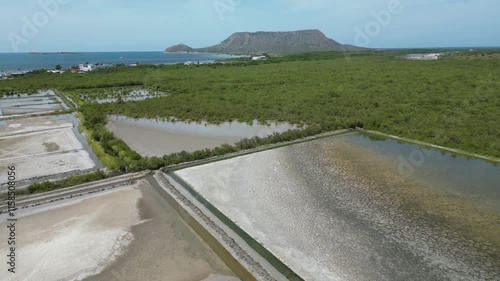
column 452, row 102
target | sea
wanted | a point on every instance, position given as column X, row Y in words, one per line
column 23, row 62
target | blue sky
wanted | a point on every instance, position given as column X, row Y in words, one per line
column 153, row 25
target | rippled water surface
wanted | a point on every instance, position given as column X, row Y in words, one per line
column 350, row 208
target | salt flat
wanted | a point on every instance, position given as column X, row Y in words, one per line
column 75, row 240
column 128, row 233
column 42, row 146
column 27, row 125
column 164, row 248
column 50, row 164
column 61, row 140
column 337, row 209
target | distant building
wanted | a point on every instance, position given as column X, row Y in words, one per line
column 15, row 74
column 259, row 58
column 192, row 63
column 56, row 71
column 86, row 67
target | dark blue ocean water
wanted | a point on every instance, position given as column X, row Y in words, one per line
column 14, row 62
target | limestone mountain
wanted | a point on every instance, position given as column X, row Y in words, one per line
column 270, row 42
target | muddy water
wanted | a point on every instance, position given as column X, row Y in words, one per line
column 340, row 209
column 164, row 248
column 158, row 138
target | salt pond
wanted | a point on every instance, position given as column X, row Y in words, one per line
column 45, row 146
column 345, row 208
column 25, row 104
column 157, row 138
column 163, row 247
column 129, row 233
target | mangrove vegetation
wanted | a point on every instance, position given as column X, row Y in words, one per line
column 451, row 102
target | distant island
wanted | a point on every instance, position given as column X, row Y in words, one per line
column 270, row 42
column 52, row 53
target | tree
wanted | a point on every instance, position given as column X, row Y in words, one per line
column 58, row 67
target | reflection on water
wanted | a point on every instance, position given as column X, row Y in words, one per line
column 476, row 179
column 157, row 138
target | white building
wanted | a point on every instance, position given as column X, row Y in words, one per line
column 56, row 71
column 259, row 58
column 85, row 67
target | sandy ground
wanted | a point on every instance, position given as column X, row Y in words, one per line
column 164, row 248
column 71, row 242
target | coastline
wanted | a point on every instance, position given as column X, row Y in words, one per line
column 25, row 62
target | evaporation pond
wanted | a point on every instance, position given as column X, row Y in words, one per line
column 157, row 138
column 349, row 208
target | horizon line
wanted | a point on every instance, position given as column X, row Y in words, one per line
column 158, row 51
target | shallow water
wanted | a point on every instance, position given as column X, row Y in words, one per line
column 25, row 104
column 157, row 138
column 471, row 178
column 340, row 209
column 30, row 109
column 79, row 136
column 15, row 62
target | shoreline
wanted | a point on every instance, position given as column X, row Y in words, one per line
column 104, row 58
